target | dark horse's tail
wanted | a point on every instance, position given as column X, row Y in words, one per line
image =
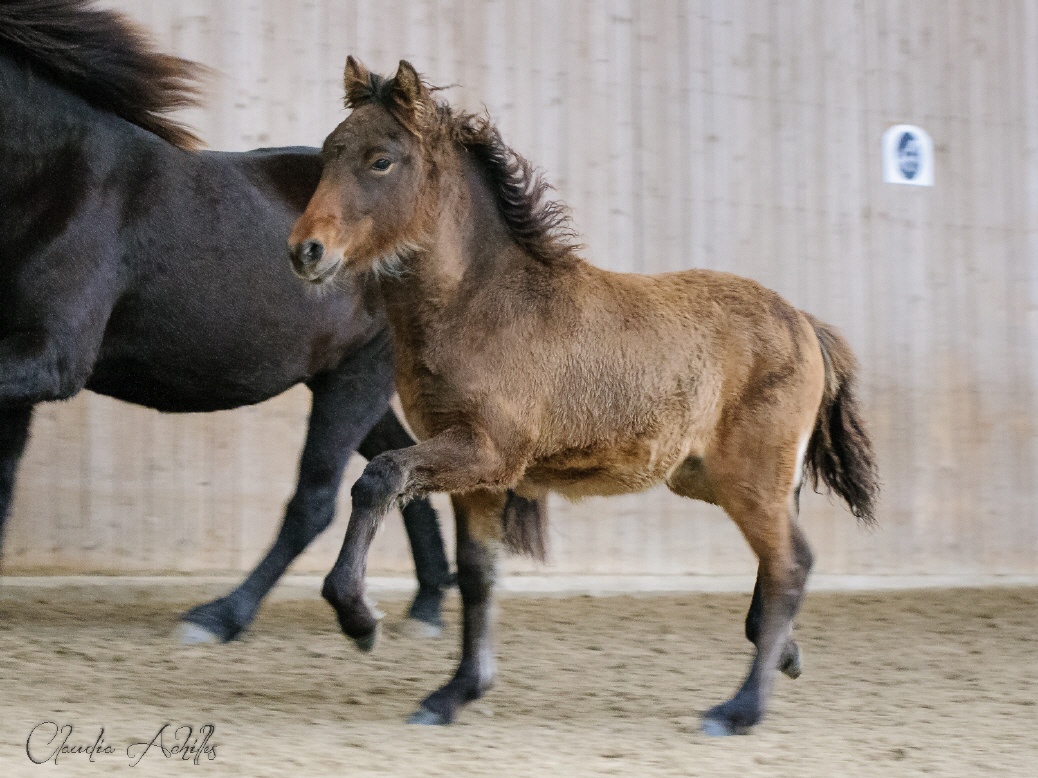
column 526, row 527
column 840, row 452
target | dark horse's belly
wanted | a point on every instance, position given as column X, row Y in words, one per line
column 138, row 382
column 224, row 366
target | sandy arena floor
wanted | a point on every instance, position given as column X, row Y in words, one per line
column 921, row 683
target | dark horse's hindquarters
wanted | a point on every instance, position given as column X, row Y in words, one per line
column 140, row 270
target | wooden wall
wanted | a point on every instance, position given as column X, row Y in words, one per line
column 734, row 134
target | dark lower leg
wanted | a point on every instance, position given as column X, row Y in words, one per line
column 789, row 662
column 781, row 583
column 308, row 513
column 14, row 433
column 458, row 460
column 475, row 672
column 422, row 525
column 430, row 560
column 346, row 405
column 373, row 494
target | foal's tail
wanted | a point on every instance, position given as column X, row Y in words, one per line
column 840, row 452
column 526, row 527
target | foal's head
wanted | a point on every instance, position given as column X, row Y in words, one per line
column 370, row 205
column 379, row 199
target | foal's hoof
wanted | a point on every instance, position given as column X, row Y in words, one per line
column 428, row 718
column 357, row 615
column 367, row 642
column 189, row 634
column 791, row 664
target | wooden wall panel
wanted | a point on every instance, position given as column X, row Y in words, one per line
column 735, row 134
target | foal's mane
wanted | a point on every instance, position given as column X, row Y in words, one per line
column 102, row 57
column 542, row 226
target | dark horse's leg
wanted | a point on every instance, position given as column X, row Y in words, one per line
column 346, row 404
column 423, row 530
column 14, row 432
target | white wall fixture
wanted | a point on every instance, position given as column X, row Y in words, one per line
column 907, row 156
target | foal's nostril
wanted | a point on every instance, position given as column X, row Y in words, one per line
column 310, row 252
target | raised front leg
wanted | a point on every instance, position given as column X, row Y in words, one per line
column 458, row 460
column 423, row 533
column 346, row 405
column 476, row 516
column 14, row 432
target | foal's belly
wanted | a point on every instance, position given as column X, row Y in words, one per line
column 576, row 474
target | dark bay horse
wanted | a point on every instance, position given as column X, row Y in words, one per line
column 521, row 366
column 134, row 267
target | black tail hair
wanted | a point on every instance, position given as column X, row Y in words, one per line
column 840, row 453
column 526, row 527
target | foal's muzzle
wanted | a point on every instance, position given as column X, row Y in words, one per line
column 310, row 263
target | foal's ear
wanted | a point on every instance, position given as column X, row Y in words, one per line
column 409, row 90
column 357, row 82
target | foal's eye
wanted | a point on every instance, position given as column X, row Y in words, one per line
column 381, row 165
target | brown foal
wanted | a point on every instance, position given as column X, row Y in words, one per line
column 521, row 366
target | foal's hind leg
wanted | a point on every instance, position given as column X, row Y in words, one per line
column 790, row 663
column 785, row 561
column 347, row 403
column 753, row 473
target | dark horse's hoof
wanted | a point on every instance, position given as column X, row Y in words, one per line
column 416, row 628
column 729, row 719
column 424, row 619
column 211, row 622
column 718, row 728
column 428, row 718
column 190, row 634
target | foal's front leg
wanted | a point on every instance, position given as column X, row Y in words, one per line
column 457, row 460
column 478, row 520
